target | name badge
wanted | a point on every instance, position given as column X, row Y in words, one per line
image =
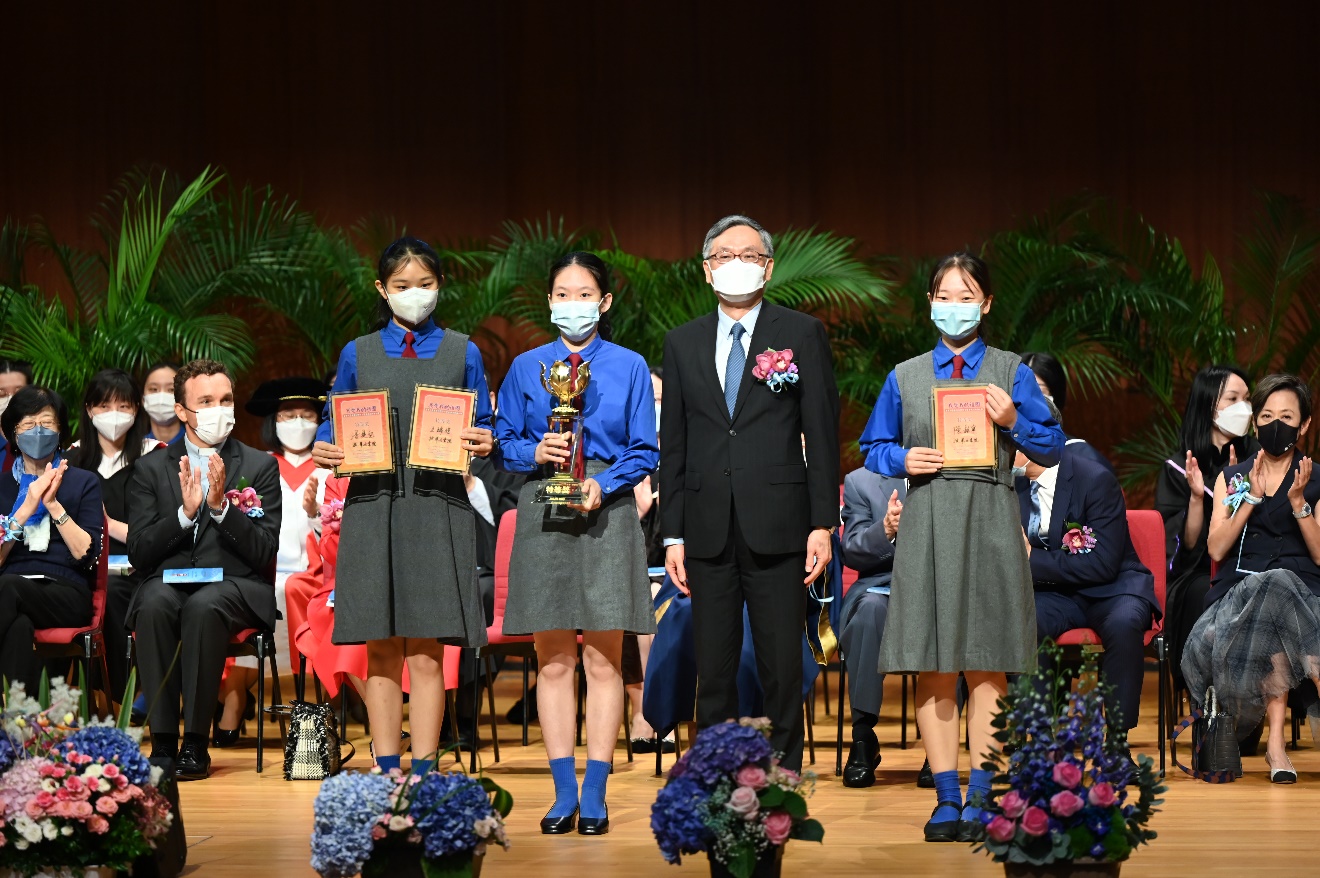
column 118, row 562
column 194, row 575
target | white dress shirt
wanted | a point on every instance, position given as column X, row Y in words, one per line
column 1045, row 495
column 724, row 337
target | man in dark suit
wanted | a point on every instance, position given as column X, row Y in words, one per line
column 1107, row 588
column 872, row 505
column 742, row 515
column 207, row 565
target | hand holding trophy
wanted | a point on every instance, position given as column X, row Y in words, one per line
column 565, row 485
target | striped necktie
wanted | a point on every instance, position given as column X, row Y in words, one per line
column 734, row 368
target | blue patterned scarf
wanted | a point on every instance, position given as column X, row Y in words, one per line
column 25, row 480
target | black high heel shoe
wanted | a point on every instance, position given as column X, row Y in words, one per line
column 594, row 825
column 559, row 825
column 226, row 738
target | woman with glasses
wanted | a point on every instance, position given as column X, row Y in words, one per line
column 51, row 527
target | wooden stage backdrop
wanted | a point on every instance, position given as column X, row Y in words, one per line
column 243, row 824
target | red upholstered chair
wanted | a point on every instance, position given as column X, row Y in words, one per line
column 1147, row 529
column 88, row 642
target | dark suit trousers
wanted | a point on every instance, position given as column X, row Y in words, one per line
column 199, row 624
column 860, row 630
column 1121, row 622
column 771, row 586
column 29, row 604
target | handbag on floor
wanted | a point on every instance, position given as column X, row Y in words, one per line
column 312, row 748
column 1215, row 754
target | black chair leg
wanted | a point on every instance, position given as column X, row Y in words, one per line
column 451, row 708
column 1162, row 668
column 902, row 729
column 659, row 747
column 275, row 697
column 300, row 680
column 261, row 701
column 843, row 683
column 811, row 733
column 476, row 707
column 490, row 695
column 527, row 708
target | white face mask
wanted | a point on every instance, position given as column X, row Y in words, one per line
column 159, row 407
column 657, row 415
column 297, row 434
column 4, row 403
column 576, row 320
column 1234, row 419
column 737, row 281
column 215, row 424
column 113, row 425
column 414, row 305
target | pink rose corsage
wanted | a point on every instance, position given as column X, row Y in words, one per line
column 1238, row 489
column 1078, row 539
column 246, row 499
column 775, row 369
column 332, row 513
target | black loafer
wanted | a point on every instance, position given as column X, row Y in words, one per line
column 925, row 777
column 863, row 760
column 946, row 830
column 194, row 763
column 558, row 825
column 970, row 831
column 594, row 825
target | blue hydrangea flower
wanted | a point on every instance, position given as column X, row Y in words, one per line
column 346, row 808
column 7, row 754
column 445, row 806
column 112, row 745
column 722, row 749
column 676, row 818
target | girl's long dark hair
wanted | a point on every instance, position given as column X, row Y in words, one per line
column 1199, row 420
column 109, row 385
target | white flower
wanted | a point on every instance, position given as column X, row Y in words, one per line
column 49, row 829
column 156, row 774
column 93, row 769
column 49, row 785
column 485, row 826
column 22, row 844
column 66, row 831
column 103, row 786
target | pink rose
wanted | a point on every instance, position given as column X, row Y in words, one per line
column 111, row 771
column 98, row 825
column 1035, row 821
column 107, row 805
column 378, row 832
column 778, row 826
column 1067, row 774
column 782, row 359
column 33, row 809
column 81, row 810
column 1066, row 804
column 751, row 776
column 744, row 803
column 789, row 776
column 1012, row 804
column 44, row 800
column 1102, row 795
column 1001, row 829
column 1073, row 541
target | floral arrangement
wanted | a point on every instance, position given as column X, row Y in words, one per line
column 729, row 796
column 246, row 499
column 1070, row 790
column 776, row 369
column 372, row 822
column 73, row 795
column 332, row 513
column 1078, row 539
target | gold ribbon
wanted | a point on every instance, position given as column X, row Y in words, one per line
column 829, row 641
column 664, row 608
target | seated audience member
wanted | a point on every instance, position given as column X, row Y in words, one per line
column 1053, row 383
column 14, row 374
column 1090, row 580
column 158, row 403
column 205, row 562
column 872, row 505
column 52, row 529
column 111, row 437
column 1260, row 635
column 1213, row 435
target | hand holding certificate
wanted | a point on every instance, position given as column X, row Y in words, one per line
column 440, row 415
column 964, row 430
column 362, row 432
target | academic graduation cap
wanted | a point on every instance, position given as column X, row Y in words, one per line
column 269, row 396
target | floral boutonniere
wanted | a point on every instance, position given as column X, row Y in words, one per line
column 332, row 512
column 775, row 369
column 1238, row 490
column 246, row 499
column 1078, row 539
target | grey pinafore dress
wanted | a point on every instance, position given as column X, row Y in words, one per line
column 408, row 541
column 578, row 572
column 961, row 597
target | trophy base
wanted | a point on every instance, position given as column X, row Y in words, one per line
column 559, row 492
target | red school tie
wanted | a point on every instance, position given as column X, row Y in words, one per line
column 958, row 363
column 579, row 454
column 409, row 352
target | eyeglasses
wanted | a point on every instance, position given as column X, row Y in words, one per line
column 31, row 423
column 724, row 257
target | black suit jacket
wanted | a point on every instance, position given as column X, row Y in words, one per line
column 753, row 462
column 244, row 547
column 1088, row 494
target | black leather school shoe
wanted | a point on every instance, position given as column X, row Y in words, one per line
column 558, row 825
column 863, row 760
column 946, row 830
column 594, row 825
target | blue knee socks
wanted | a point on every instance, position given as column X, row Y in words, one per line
column 422, row 766
column 387, row 763
column 593, row 789
column 564, row 772
column 947, row 790
column 978, row 785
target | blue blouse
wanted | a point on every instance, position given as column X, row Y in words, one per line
column 426, row 342
column 618, row 413
column 1035, row 431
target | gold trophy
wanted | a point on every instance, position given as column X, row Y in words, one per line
column 565, row 485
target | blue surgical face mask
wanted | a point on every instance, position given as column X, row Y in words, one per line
column 576, row 320
column 1019, row 472
column 956, row 320
column 38, row 443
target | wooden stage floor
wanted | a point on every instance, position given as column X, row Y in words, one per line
column 242, row 823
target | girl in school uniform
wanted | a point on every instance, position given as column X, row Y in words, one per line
column 581, row 567
column 961, row 598
column 158, row 403
column 407, row 574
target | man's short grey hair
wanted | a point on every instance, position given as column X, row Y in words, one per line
column 731, row 221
